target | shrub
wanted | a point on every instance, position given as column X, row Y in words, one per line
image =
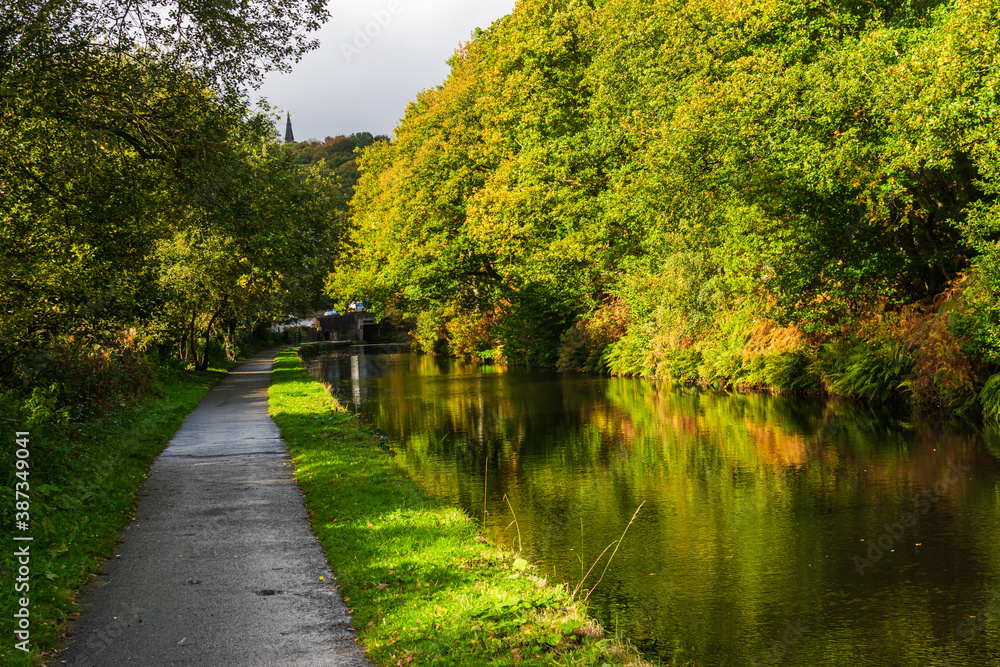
column 679, row 364
column 586, row 346
column 873, row 370
column 533, row 323
column 470, row 334
column 629, row 355
column 943, row 375
column 81, row 381
column 781, row 372
column 430, row 334
column 989, row 399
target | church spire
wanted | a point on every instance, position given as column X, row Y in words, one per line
column 289, row 137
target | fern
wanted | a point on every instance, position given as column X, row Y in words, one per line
column 989, row 398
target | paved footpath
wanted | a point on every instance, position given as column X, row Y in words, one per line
column 220, row 567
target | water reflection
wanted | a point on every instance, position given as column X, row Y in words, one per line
column 774, row 531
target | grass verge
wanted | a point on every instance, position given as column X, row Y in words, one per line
column 82, row 478
column 424, row 586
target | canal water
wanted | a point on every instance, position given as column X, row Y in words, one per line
column 771, row 530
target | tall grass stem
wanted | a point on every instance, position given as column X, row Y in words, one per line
column 519, row 548
column 612, row 557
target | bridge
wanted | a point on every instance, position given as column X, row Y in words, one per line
column 349, row 326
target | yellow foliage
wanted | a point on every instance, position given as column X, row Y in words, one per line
column 766, row 336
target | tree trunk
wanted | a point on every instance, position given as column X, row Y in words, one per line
column 203, row 364
column 192, row 340
column 182, row 346
column 231, row 343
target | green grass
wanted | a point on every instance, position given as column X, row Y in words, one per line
column 83, row 479
column 423, row 585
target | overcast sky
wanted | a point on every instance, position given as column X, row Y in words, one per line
column 374, row 57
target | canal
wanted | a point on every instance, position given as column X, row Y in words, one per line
column 771, row 530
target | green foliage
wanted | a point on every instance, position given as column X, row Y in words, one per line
column 680, row 364
column 429, row 334
column 989, row 398
column 38, row 407
column 233, row 44
column 587, row 344
column 471, row 334
column 874, row 371
column 429, row 227
column 256, row 251
column 708, row 166
column 333, row 151
column 95, row 382
column 334, row 159
column 629, row 355
column 978, row 324
column 533, row 323
column 140, row 197
column 783, row 372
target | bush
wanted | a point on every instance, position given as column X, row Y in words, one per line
column 679, row 364
column 470, row 335
column 80, row 382
column 430, row 334
column 873, row 370
column 989, row 399
column 586, row 345
column 629, row 355
column 533, row 325
column 783, row 372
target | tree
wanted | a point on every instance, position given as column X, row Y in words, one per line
column 115, row 120
column 699, row 174
column 233, row 44
column 256, row 248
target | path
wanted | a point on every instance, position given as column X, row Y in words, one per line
column 220, row 567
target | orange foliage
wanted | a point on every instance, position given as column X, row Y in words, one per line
column 942, row 374
column 585, row 341
column 766, row 336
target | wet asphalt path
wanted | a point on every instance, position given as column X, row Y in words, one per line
column 220, row 567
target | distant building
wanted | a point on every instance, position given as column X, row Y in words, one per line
column 289, row 137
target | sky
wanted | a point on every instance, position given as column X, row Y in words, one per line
column 374, row 57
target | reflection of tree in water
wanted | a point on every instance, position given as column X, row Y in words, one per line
column 754, row 504
column 349, row 373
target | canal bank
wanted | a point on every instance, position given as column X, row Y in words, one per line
column 423, row 585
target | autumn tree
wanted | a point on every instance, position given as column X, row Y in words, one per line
column 743, row 193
